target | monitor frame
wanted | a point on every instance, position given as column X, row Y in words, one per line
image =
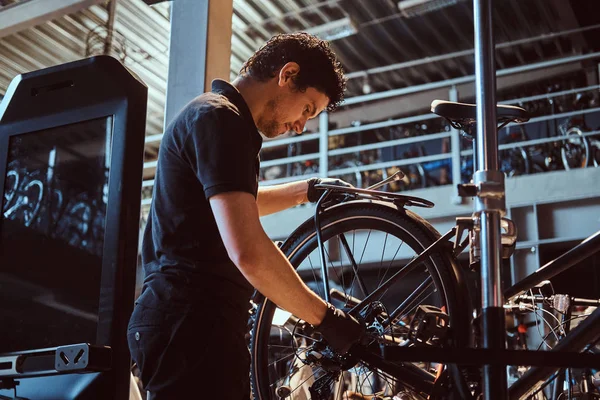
column 92, row 88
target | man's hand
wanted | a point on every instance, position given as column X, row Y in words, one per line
column 313, row 194
column 340, row 330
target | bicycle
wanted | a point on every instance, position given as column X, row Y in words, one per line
column 513, row 162
column 413, row 295
column 43, row 199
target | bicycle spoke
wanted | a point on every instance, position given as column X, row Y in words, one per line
column 305, row 337
column 356, row 277
column 361, row 385
column 316, row 278
column 292, row 371
column 350, row 256
column 332, row 267
column 281, row 346
column 277, row 382
column 389, row 382
column 365, row 248
column 306, row 380
column 367, row 376
column 278, row 360
column 383, row 278
column 341, row 259
column 381, row 261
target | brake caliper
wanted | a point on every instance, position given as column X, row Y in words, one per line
column 375, row 316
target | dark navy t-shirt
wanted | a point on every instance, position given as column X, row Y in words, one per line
column 211, row 147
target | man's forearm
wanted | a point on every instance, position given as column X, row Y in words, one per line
column 272, row 199
column 271, row 274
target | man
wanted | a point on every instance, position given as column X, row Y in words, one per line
column 204, row 249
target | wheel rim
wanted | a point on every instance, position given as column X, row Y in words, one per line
column 575, row 150
column 290, row 372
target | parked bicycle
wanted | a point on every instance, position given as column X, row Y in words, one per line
column 39, row 199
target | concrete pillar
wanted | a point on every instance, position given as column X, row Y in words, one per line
column 200, row 50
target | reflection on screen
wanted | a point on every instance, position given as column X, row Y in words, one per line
column 52, row 235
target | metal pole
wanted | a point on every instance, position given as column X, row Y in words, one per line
column 490, row 198
column 323, row 144
column 485, row 87
column 110, row 26
column 188, row 47
column 455, row 148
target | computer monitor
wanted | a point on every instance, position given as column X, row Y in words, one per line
column 71, row 159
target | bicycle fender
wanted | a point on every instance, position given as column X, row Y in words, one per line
column 460, row 279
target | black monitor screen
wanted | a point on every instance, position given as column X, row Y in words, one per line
column 52, row 235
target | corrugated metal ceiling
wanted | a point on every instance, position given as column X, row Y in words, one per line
column 385, row 37
column 140, row 40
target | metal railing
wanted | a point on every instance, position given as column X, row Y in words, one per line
column 425, row 138
column 325, row 155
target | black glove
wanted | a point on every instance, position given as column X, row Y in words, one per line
column 313, row 194
column 340, row 330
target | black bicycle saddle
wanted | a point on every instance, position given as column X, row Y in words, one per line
column 466, row 113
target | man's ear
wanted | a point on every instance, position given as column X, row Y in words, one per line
column 287, row 72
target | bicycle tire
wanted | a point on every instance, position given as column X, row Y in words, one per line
column 595, row 152
column 30, row 194
column 575, row 150
column 12, row 176
column 413, row 231
column 423, row 177
column 514, row 162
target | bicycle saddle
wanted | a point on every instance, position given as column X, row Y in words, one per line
column 466, row 113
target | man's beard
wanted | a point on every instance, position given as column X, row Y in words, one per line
column 269, row 127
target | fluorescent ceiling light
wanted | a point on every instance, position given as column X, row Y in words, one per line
column 414, row 8
column 334, row 30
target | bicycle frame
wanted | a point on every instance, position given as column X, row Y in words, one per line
column 580, row 252
column 545, row 363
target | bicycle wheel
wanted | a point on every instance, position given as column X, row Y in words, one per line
column 10, row 188
column 595, row 152
column 364, row 244
column 29, row 197
column 514, row 162
column 575, row 150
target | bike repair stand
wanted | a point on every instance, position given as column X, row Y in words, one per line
column 490, row 200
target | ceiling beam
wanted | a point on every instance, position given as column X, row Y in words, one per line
column 35, row 12
column 568, row 20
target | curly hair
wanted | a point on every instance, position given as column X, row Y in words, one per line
column 319, row 67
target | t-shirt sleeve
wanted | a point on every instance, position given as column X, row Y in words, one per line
column 220, row 150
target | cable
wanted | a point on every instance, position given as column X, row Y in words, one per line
column 540, row 332
column 536, row 317
column 568, row 320
column 559, row 324
column 544, row 341
column 534, row 309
